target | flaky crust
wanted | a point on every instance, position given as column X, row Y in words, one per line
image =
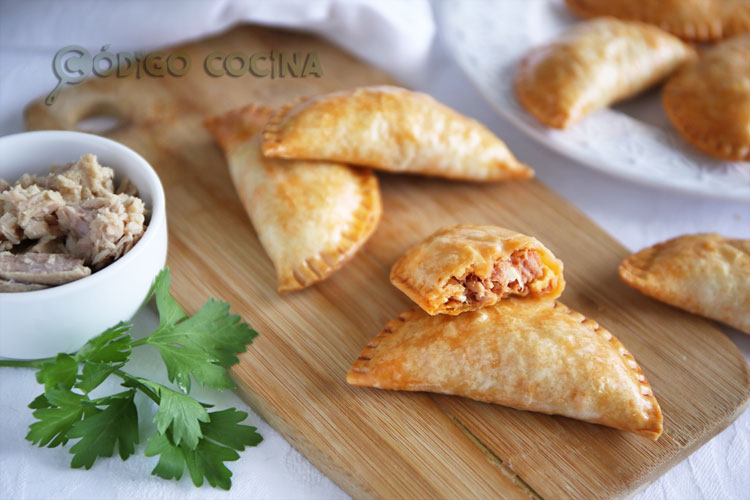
column 709, row 101
column 431, row 271
column 705, row 274
column 393, row 129
column 530, row 355
column 311, row 217
column 593, row 65
column 699, row 20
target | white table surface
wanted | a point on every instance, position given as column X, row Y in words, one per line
column 635, row 215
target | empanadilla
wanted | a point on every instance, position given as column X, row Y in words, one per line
column 705, row 274
column 709, row 101
column 466, row 267
column 701, row 20
column 531, row 355
column 310, row 216
column 593, row 65
column 393, row 129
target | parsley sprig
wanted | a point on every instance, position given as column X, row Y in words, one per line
column 200, row 347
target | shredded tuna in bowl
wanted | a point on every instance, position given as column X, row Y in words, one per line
column 59, row 227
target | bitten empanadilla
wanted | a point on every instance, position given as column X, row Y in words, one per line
column 466, row 267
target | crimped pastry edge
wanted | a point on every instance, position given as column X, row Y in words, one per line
column 321, row 265
column 273, row 147
column 358, row 373
column 271, row 144
column 558, row 119
column 712, row 145
column 703, row 32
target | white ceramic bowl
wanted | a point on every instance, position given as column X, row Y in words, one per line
column 61, row 319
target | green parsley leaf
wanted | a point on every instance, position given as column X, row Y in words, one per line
column 64, row 409
column 59, row 373
column 180, row 414
column 170, row 311
column 94, row 374
column 208, row 460
column 110, row 346
column 39, row 402
column 182, row 362
column 199, row 345
column 213, row 330
column 171, row 461
column 101, row 430
column 224, row 427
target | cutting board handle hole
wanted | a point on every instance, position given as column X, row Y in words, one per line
column 102, row 119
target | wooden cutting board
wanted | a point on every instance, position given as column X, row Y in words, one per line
column 386, row 444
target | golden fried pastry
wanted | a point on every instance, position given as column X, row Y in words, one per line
column 709, row 101
column 533, row 355
column 704, row 274
column 593, row 65
column 310, row 217
column 701, row 20
column 465, row 267
column 393, row 129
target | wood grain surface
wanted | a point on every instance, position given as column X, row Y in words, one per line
column 378, row 444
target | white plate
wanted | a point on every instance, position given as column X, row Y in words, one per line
column 633, row 140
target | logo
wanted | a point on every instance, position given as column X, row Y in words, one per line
column 73, row 64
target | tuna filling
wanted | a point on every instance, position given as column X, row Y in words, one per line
column 60, row 227
column 510, row 276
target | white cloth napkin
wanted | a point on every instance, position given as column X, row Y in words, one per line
column 32, row 32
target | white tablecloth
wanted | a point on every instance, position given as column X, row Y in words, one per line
column 398, row 36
